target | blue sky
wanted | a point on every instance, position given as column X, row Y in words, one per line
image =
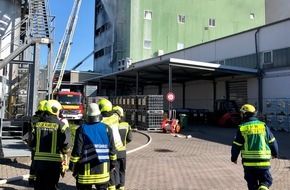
column 83, row 40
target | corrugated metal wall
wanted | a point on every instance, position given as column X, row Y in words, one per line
column 237, row 90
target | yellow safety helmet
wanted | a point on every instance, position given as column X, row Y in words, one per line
column 248, row 108
column 118, row 110
column 53, row 107
column 105, row 105
column 41, row 105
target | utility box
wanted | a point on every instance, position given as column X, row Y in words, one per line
column 90, row 90
column 183, row 120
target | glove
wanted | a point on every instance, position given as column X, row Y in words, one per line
column 64, row 165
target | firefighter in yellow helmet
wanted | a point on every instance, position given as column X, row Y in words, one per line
column 257, row 145
column 94, row 156
column 33, row 120
column 51, row 139
column 126, row 136
column 111, row 120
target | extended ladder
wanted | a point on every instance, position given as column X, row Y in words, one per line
column 65, row 45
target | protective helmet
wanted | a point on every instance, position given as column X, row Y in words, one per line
column 93, row 113
column 93, row 110
column 105, row 105
column 53, row 107
column 41, row 105
column 118, row 110
column 248, row 108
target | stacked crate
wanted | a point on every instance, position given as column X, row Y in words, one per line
column 149, row 111
column 130, row 111
column 277, row 113
column 142, row 111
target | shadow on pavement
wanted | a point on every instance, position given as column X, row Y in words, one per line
column 226, row 136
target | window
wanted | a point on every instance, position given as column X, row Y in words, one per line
column 211, row 22
column 147, row 44
column 181, row 19
column 221, row 62
column 252, row 16
column 180, row 46
column 268, row 57
column 99, row 8
column 148, row 15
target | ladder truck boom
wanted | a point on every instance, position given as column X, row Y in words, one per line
column 65, row 45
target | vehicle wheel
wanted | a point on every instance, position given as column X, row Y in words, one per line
column 177, row 128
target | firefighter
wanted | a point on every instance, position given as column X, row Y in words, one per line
column 51, row 140
column 33, row 120
column 257, row 145
column 94, row 154
column 126, row 136
column 111, row 120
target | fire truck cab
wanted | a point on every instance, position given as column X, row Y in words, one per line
column 72, row 104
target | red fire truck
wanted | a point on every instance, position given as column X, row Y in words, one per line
column 72, row 104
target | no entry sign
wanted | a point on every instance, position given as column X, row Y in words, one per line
column 170, row 97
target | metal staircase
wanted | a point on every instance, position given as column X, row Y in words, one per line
column 36, row 29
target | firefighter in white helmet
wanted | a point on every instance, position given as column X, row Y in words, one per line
column 94, row 154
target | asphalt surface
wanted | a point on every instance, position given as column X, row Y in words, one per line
column 199, row 162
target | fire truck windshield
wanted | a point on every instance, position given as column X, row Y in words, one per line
column 69, row 99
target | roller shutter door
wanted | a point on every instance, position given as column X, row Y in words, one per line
column 237, row 90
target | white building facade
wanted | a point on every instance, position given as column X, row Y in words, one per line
column 266, row 48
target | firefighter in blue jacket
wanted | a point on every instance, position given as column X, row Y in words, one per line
column 94, row 155
column 257, row 145
column 51, row 140
column 126, row 136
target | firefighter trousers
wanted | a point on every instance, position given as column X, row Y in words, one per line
column 257, row 177
column 120, row 173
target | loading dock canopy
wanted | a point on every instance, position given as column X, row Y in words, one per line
column 158, row 72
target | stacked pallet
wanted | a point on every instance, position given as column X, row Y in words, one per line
column 277, row 113
column 150, row 112
column 142, row 111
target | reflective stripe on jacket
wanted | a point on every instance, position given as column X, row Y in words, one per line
column 255, row 150
column 113, row 122
column 92, row 170
column 52, row 139
column 96, row 143
column 46, row 142
column 126, row 136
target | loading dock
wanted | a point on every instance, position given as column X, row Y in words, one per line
column 163, row 72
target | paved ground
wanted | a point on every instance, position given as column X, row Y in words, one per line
column 169, row 162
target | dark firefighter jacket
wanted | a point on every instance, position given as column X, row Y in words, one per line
column 31, row 124
column 50, row 139
column 93, row 154
column 256, row 143
column 126, row 136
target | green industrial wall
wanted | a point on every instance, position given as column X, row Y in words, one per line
column 231, row 16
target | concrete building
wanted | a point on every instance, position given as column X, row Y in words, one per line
column 218, row 70
column 277, row 10
column 130, row 31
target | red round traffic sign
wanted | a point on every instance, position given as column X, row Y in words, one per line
column 170, row 97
